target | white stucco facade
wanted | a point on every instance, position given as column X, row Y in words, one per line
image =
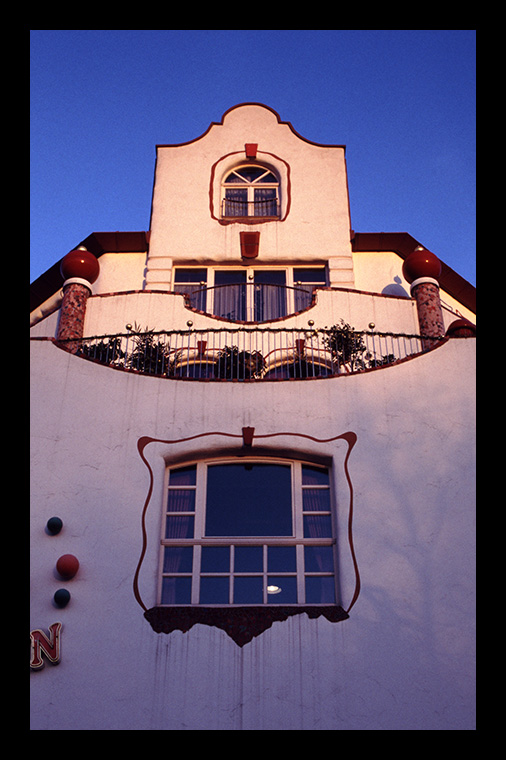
column 402, row 661
column 187, row 197
column 398, row 442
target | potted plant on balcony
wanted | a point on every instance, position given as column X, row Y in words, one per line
column 234, row 364
column 106, row 351
column 348, row 349
column 150, row 355
column 346, row 346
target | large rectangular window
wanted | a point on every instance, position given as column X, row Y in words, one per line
column 305, row 280
column 192, row 282
column 258, row 294
column 249, row 532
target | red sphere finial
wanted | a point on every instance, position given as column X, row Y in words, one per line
column 80, row 263
column 67, row 566
column 461, row 328
column 421, row 263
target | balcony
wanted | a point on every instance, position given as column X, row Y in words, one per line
column 252, row 355
column 265, row 208
column 248, row 301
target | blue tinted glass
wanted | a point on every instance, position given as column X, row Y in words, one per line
column 281, row 589
column 229, row 277
column 179, row 526
column 281, row 559
column 214, row 590
column 317, row 526
column 272, row 276
column 251, row 173
column 316, row 499
column 215, row 559
column 249, row 500
column 314, row 476
column 190, row 275
column 248, row 559
column 177, row 559
column 309, row 275
column 198, row 370
column 183, row 476
column 318, row 559
column 181, row 500
column 248, row 590
column 320, row 590
column 176, row 590
column 234, row 178
column 281, row 372
column 268, row 178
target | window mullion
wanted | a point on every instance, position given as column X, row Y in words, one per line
column 231, row 577
column 297, row 500
column 264, row 575
column 200, row 516
column 197, row 554
column 298, row 529
column 251, row 201
column 200, row 501
column 301, row 587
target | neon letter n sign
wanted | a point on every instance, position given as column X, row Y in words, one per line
column 41, row 644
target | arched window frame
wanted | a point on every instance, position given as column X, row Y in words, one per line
column 256, row 196
column 226, row 163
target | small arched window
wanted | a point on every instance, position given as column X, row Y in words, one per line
column 250, row 191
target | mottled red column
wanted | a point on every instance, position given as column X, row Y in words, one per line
column 422, row 270
column 80, row 269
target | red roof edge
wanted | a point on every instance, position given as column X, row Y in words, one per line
column 97, row 243
column 403, row 244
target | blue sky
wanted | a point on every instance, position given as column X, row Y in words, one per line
column 401, row 100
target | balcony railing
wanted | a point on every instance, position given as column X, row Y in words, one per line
column 266, row 207
column 248, row 354
column 248, row 301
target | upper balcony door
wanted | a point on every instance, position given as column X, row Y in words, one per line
column 249, row 296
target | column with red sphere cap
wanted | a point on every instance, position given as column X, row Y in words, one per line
column 422, row 269
column 80, row 269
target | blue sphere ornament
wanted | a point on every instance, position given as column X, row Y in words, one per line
column 54, row 525
column 61, row 597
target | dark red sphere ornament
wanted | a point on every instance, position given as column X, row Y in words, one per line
column 67, row 566
column 80, row 263
column 421, row 263
column 461, row 328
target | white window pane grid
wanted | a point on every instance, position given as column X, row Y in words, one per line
column 250, row 200
column 306, row 575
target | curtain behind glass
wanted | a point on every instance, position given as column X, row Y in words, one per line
column 265, row 202
column 236, row 202
column 230, row 295
column 180, row 525
column 316, row 500
column 269, row 294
